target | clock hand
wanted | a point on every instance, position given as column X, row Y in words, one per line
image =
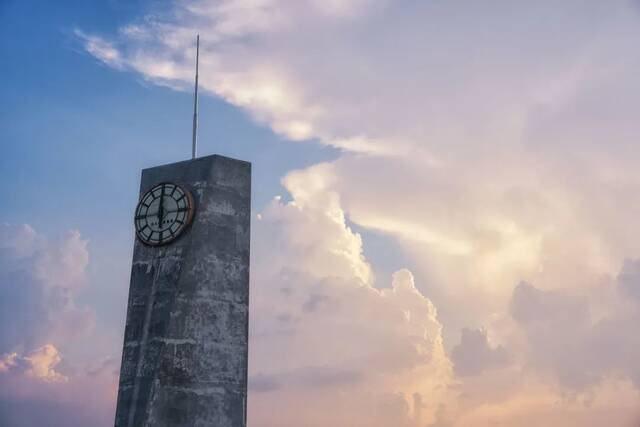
column 161, row 208
column 176, row 210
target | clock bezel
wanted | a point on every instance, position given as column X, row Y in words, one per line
column 188, row 218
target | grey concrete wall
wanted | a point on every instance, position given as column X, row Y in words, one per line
column 184, row 360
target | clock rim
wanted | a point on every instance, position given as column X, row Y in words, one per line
column 188, row 219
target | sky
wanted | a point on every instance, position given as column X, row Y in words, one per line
column 445, row 198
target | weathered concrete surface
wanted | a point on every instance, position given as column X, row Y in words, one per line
column 184, row 360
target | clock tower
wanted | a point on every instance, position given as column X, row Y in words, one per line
column 184, row 360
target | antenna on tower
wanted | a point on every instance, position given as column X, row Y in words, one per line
column 194, row 141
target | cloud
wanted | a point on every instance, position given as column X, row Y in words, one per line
column 42, row 362
column 322, row 333
column 385, row 79
column 474, row 353
column 313, row 377
column 101, row 49
column 534, row 404
column 8, row 361
column 39, row 280
column 38, row 364
column 629, row 279
column 565, row 339
column 34, row 392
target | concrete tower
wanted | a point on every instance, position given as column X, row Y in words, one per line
column 184, row 361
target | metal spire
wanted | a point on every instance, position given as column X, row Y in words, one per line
column 194, row 145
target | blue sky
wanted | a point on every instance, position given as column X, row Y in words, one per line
column 76, row 135
column 65, row 111
column 459, row 198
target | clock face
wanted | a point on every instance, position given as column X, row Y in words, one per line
column 163, row 213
